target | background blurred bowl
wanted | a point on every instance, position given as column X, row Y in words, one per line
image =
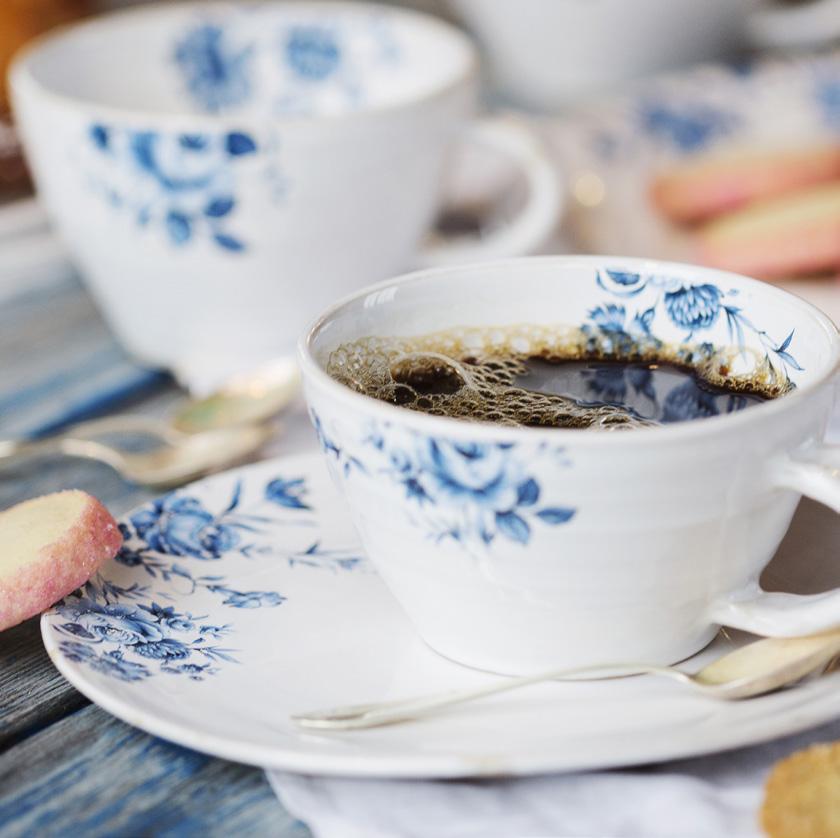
column 551, row 53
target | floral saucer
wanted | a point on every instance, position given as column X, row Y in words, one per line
column 246, row 597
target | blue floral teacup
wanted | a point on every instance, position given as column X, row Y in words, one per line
column 514, row 549
column 222, row 172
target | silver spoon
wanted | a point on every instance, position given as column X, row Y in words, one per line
column 163, row 467
column 247, row 399
column 752, row 670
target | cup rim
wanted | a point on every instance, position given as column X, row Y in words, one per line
column 21, row 77
column 444, row 426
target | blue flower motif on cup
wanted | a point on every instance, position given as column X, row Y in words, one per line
column 664, row 302
column 182, row 183
column 217, row 73
column 608, row 317
column 332, row 65
column 694, row 307
column 130, row 632
column 312, row 52
column 473, row 493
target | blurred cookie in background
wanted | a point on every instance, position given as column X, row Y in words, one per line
column 769, row 214
column 802, row 795
column 735, row 166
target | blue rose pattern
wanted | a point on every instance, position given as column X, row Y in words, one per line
column 472, row 493
column 132, row 633
column 312, row 52
column 691, row 307
column 324, row 63
column 182, row 183
column 688, row 127
column 217, row 74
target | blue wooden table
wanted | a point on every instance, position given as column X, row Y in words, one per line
column 66, row 767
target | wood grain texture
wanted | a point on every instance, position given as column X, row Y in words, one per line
column 66, row 767
column 33, row 694
column 91, row 775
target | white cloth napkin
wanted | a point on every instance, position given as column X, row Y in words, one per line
column 708, row 797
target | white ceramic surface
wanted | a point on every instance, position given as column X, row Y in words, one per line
column 222, row 172
column 551, row 53
column 246, row 597
column 30, row 253
column 520, row 549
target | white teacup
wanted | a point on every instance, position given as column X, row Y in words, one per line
column 517, row 549
column 223, row 172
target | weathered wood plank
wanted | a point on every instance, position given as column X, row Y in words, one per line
column 92, row 775
column 66, row 767
column 57, row 358
column 32, row 693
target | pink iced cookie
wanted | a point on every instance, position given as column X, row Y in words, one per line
column 793, row 235
column 708, row 186
column 49, row 546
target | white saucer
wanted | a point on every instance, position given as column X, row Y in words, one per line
column 245, row 598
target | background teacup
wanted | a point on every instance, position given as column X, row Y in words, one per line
column 223, row 172
column 518, row 549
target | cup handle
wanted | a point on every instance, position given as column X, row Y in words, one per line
column 537, row 219
column 814, row 473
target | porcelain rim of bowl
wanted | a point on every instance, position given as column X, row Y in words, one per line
column 21, row 75
column 450, row 427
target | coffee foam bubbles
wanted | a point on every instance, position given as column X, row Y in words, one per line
column 470, row 373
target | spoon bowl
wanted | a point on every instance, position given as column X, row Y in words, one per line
column 247, row 399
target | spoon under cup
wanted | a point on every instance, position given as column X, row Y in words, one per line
column 752, row 670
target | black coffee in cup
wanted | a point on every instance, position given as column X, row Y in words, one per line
column 532, row 376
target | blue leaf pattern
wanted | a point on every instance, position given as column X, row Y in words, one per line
column 288, row 493
column 556, row 515
column 514, row 527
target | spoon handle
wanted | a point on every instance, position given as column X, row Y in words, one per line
column 18, row 448
column 359, row 716
column 11, row 451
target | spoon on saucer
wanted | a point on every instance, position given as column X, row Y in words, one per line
column 752, row 670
